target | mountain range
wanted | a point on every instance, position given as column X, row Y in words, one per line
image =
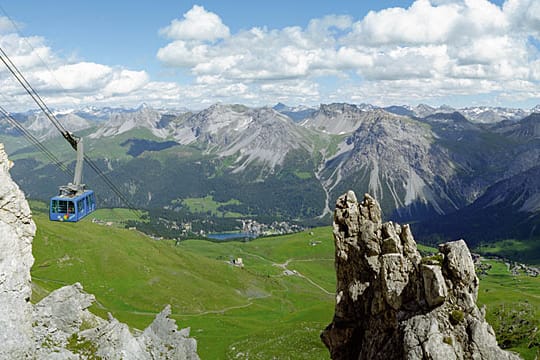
column 423, row 163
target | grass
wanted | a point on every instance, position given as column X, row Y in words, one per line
column 230, row 310
column 517, row 250
column 117, row 215
column 513, row 308
column 426, row 250
column 13, row 143
column 209, row 205
column 256, row 312
column 303, row 175
column 110, row 148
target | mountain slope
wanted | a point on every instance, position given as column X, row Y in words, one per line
column 297, row 114
column 121, row 122
column 39, row 125
column 526, row 128
column 260, row 135
column 339, row 118
column 256, row 310
column 508, row 209
column 396, row 159
column 260, row 163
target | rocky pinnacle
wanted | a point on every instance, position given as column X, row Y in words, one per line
column 393, row 304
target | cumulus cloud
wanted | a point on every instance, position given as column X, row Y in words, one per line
column 262, row 54
column 428, row 52
column 83, row 76
column 65, row 83
column 197, row 24
column 422, row 23
column 7, row 26
column 432, row 49
column 125, row 82
column 524, row 15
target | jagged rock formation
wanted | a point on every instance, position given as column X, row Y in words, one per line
column 16, row 233
column 60, row 326
column 251, row 135
column 392, row 304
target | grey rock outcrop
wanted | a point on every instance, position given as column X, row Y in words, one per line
column 60, row 326
column 392, row 304
column 160, row 340
column 16, row 233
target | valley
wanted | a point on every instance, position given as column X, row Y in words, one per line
column 192, row 174
column 275, row 306
column 468, row 172
column 270, row 180
column 229, row 309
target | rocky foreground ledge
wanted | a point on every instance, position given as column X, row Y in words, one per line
column 393, row 304
column 60, row 326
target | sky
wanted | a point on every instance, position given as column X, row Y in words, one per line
column 186, row 54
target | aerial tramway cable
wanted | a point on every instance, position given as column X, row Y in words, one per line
column 31, row 91
column 35, row 141
column 52, row 118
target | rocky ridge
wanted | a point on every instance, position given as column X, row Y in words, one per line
column 398, row 160
column 393, row 304
column 425, row 163
column 60, row 326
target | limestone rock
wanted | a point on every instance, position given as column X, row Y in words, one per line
column 60, row 327
column 65, row 329
column 391, row 305
column 16, row 233
column 59, row 316
column 163, row 337
column 434, row 285
column 114, row 341
column 160, row 340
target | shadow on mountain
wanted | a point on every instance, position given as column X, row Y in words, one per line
column 138, row 146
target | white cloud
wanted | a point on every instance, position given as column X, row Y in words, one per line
column 83, row 76
column 432, row 49
column 260, row 54
column 422, row 23
column 125, row 82
column 197, row 24
column 7, row 26
column 180, row 53
column 66, row 84
column 524, row 15
column 398, row 63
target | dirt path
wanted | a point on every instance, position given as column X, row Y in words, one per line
column 297, row 273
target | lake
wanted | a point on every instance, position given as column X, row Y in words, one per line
column 231, row 236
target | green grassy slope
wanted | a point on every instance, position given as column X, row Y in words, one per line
column 256, row 312
column 513, row 308
column 527, row 251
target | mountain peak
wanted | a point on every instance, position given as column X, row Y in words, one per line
column 143, row 106
column 280, row 107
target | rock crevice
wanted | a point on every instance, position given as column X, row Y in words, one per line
column 393, row 304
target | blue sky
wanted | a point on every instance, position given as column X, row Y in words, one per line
column 193, row 54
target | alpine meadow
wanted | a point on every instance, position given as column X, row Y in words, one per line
column 270, row 180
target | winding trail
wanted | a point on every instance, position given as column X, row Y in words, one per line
column 297, row 273
column 286, row 263
column 283, row 266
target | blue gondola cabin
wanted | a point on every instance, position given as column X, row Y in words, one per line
column 72, row 208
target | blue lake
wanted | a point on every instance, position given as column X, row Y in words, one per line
column 230, row 236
